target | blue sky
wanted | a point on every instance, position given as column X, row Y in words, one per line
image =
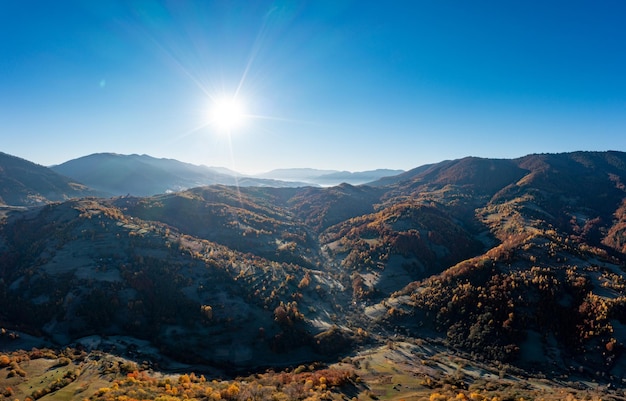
column 346, row 85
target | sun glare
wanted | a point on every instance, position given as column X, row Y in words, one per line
column 227, row 114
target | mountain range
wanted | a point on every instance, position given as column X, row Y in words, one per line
column 317, row 177
column 514, row 262
column 143, row 175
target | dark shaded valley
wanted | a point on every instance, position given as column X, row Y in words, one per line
column 461, row 271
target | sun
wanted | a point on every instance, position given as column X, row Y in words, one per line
column 227, row 113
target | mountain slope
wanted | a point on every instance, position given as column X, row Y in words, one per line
column 84, row 268
column 551, row 289
column 23, row 183
column 241, row 219
column 516, row 261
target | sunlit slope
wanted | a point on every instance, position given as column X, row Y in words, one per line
column 550, row 291
column 511, row 260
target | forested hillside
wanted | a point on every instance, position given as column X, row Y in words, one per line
column 509, row 261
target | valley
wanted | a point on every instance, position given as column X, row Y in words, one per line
column 472, row 279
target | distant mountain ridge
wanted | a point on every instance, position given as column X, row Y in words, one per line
column 23, row 183
column 143, row 175
column 330, row 177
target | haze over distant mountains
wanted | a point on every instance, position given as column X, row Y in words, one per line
column 328, row 177
column 143, row 175
column 24, row 183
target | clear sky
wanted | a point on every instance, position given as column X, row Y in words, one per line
column 331, row 84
